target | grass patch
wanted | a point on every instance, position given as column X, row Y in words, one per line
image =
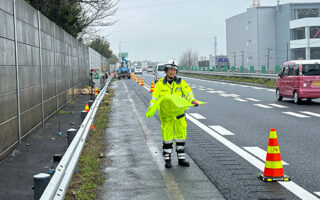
column 64, row 112
column 86, row 184
column 261, row 81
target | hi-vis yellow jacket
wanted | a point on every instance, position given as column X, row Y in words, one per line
column 178, row 87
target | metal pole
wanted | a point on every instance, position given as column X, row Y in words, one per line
column 40, row 182
column 17, row 69
column 41, row 70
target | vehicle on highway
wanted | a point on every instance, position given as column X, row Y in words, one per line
column 159, row 72
column 150, row 69
column 137, row 69
column 299, row 79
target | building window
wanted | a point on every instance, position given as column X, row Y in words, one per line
column 308, row 12
column 298, row 54
column 315, row 53
column 315, row 32
column 298, row 33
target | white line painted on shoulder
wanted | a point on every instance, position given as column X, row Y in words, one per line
column 317, row 193
column 244, row 86
column 257, row 88
column 197, row 116
column 221, row 130
column 252, row 99
column 277, row 105
column 270, row 90
column 310, row 113
column 262, row 106
column 260, row 153
column 291, row 186
column 296, row 114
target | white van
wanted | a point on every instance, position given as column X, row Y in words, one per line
column 159, row 72
column 137, row 69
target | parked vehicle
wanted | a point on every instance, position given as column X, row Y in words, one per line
column 299, row 79
column 137, row 69
column 159, row 72
column 150, row 69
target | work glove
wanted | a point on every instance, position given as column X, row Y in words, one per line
column 196, row 104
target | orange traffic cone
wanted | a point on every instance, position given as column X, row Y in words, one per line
column 142, row 82
column 273, row 170
column 151, row 87
column 138, row 81
column 91, row 127
column 86, row 107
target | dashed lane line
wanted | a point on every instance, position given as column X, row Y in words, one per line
column 221, row 130
column 252, row 99
column 214, row 91
column 197, row 116
column 241, row 100
column 290, row 185
column 277, row 105
column 260, row 153
column 296, row 114
column 310, row 113
column 262, row 106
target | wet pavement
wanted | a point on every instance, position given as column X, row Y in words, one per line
column 134, row 165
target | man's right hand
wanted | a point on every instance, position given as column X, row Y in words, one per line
column 196, row 104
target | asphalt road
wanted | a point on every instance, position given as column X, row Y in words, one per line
column 228, row 137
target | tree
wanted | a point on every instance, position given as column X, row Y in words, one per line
column 103, row 47
column 188, row 58
column 78, row 17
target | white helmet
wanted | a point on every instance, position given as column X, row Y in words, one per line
column 171, row 64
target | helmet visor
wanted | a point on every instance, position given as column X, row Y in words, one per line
column 171, row 66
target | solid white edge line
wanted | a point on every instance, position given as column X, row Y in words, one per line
column 290, row 185
column 260, row 153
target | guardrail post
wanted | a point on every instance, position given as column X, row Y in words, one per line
column 40, row 182
column 71, row 133
column 83, row 115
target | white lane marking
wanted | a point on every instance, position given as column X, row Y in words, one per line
column 260, row 153
column 210, row 89
column 221, row 130
column 257, row 88
column 197, row 116
column 317, row 193
column 241, row 100
column 245, row 86
column 225, row 95
column 232, row 84
column 223, row 83
column 270, row 90
column 215, row 92
column 296, row 114
column 262, row 106
column 290, row 185
column 277, row 105
column 202, row 89
column 310, row 113
column 252, row 99
column 146, row 87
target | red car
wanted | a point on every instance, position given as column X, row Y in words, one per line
column 299, row 79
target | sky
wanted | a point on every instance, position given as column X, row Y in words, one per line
column 159, row 30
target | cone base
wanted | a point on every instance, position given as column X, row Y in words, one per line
column 273, row 179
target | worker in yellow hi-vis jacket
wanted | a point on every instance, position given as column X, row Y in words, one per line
column 173, row 129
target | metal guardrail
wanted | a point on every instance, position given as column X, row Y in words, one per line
column 233, row 74
column 59, row 182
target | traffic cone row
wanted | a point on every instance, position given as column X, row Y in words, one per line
column 273, row 170
column 142, row 82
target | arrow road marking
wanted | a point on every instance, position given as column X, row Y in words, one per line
column 260, row 153
column 221, row 130
column 290, row 185
column 296, row 114
column 310, row 113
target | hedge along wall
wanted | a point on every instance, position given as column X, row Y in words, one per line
column 41, row 69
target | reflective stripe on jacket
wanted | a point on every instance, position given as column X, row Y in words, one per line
column 178, row 87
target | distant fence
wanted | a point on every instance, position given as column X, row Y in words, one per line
column 41, row 69
column 251, row 69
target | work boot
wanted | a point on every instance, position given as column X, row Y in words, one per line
column 183, row 162
column 168, row 164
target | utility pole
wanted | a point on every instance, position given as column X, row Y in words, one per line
column 215, row 50
column 234, row 59
column 242, row 55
